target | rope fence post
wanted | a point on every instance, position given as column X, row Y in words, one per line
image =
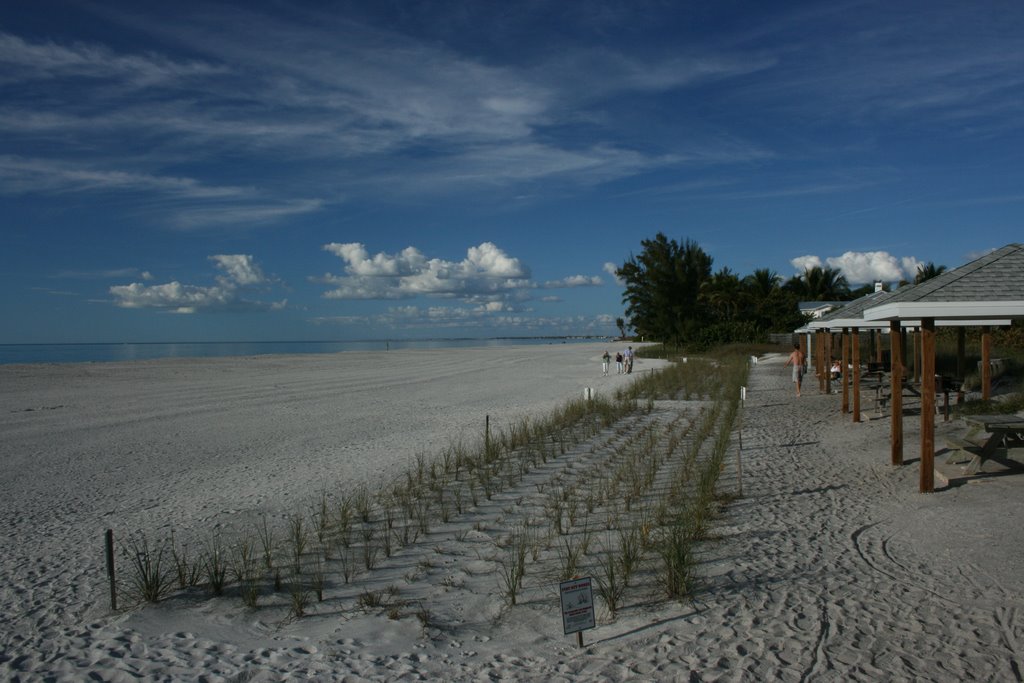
column 110, row 569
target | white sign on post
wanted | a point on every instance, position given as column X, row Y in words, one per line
column 577, row 605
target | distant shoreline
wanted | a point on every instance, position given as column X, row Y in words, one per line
column 110, row 352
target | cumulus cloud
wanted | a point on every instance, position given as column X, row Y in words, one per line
column 612, row 269
column 485, row 271
column 863, row 266
column 239, row 272
column 239, row 269
column 802, row 263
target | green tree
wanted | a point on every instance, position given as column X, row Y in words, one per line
column 926, row 271
column 663, row 285
column 724, row 295
column 771, row 307
column 621, row 324
column 762, row 282
column 820, row 284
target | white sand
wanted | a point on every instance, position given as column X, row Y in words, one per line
column 831, row 567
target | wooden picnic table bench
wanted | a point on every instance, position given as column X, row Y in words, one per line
column 1004, row 431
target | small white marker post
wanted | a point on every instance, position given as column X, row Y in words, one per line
column 739, row 436
column 577, row 598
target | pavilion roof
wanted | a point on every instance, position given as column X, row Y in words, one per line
column 987, row 288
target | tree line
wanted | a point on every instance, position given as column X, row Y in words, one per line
column 673, row 295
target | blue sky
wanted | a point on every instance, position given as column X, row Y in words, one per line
column 352, row 170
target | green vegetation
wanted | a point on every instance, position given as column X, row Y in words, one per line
column 623, row 488
column 672, row 295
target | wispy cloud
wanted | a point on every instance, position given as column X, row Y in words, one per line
column 195, row 204
column 108, row 274
column 318, row 93
column 23, row 175
column 575, row 281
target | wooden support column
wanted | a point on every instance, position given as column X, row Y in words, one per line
column 820, row 347
column 844, row 376
column 904, row 345
column 878, row 346
column 828, row 362
column 927, row 405
column 856, row 374
column 986, row 362
column 961, row 352
column 915, row 362
column 896, row 386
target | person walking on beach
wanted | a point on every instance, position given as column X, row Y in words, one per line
column 618, row 362
column 629, row 360
column 796, row 359
column 605, row 360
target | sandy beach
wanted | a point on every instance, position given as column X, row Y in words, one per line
column 830, row 566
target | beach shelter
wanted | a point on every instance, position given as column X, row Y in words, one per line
column 849, row 319
column 988, row 290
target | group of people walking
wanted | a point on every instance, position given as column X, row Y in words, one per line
column 623, row 362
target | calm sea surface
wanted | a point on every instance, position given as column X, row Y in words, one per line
column 100, row 353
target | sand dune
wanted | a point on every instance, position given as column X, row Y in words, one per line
column 830, row 567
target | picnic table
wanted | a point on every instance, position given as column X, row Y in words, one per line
column 943, row 385
column 1004, row 431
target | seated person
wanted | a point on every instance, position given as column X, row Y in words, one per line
column 837, row 369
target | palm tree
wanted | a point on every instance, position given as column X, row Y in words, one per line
column 926, row 271
column 762, row 282
column 820, row 284
column 723, row 293
column 621, row 324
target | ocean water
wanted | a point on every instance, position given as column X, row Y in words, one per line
column 105, row 353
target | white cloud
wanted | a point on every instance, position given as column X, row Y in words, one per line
column 486, row 270
column 240, row 272
column 240, row 269
column 22, row 175
column 802, row 263
column 575, row 281
column 860, row 267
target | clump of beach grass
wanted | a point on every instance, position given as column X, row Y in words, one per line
column 149, row 580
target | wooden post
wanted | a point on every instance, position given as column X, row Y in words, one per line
column 896, row 386
column 828, row 362
column 739, row 440
column 961, row 352
column 878, row 346
column 856, row 374
column 820, row 338
column 986, row 362
column 487, row 435
column 844, row 375
column 916, row 356
column 927, row 405
column 110, row 569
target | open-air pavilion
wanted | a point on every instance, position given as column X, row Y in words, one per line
column 987, row 291
column 849, row 321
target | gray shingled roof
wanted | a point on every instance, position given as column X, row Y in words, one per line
column 856, row 308
column 987, row 288
column 996, row 276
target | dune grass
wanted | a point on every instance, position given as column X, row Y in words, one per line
column 651, row 491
